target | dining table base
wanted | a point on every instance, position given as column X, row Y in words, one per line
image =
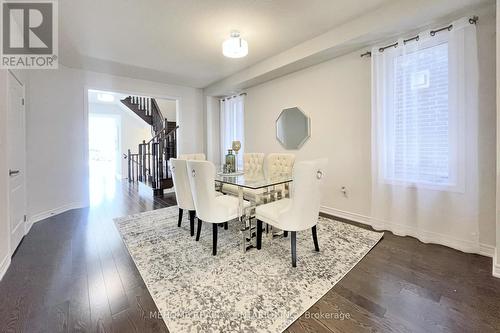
column 270, row 193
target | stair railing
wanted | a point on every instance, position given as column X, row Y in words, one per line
column 159, row 122
column 149, row 165
column 143, row 103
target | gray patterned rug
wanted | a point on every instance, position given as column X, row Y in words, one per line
column 234, row 292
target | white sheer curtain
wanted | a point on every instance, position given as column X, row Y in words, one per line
column 424, row 137
column 232, row 114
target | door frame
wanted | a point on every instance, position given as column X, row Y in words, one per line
column 86, row 112
column 27, row 223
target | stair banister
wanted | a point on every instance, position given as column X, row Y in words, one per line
column 150, row 164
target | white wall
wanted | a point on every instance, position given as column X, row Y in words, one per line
column 57, row 132
column 336, row 95
column 133, row 130
column 168, row 108
column 496, row 259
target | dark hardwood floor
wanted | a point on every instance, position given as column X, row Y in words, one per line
column 72, row 273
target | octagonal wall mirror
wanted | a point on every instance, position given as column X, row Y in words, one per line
column 293, row 128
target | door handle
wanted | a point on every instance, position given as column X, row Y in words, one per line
column 13, row 172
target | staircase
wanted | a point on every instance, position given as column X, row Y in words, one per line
column 149, row 164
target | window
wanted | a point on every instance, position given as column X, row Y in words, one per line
column 232, row 125
column 419, row 123
column 425, row 159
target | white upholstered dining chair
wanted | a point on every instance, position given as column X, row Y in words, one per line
column 253, row 164
column 301, row 210
column 178, row 169
column 278, row 164
column 210, row 207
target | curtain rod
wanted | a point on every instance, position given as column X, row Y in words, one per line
column 472, row 20
column 226, row 98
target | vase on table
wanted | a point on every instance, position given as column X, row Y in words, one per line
column 230, row 161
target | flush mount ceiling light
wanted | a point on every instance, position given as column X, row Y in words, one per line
column 235, row 46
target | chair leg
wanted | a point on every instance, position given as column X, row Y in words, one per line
column 180, row 218
column 294, row 248
column 259, row 234
column 198, row 231
column 315, row 239
column 226, row 226
column 214, row 241
column 192, row 214
column 285, row 233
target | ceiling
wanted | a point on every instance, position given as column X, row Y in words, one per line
column 179, row 41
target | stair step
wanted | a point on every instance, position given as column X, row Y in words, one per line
column 135, row 108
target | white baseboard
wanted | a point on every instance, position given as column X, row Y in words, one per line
column 496, row 266
column 404, row 230
column 44, row 215
column 27, row 226
column 346, row 215
column 487, row 250
column 4, row 265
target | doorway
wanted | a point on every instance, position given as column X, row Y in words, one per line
column 104, row 154
column 118, row 132
column 16, row 134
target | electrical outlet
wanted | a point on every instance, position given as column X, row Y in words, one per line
column 343, row 189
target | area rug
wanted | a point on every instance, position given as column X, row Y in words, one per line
column 258, row 291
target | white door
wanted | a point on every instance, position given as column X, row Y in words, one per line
column 16, row 131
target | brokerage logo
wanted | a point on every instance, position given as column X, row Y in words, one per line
column 29, row 34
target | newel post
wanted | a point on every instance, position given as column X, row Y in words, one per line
column 144, row 176
column 129, row 164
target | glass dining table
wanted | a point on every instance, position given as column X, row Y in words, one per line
column 263, row 189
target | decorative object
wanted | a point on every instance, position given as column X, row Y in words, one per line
column 232, row 291
column 236, row 148
column 235, row 46
column 230, row 161
column 293, row 128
